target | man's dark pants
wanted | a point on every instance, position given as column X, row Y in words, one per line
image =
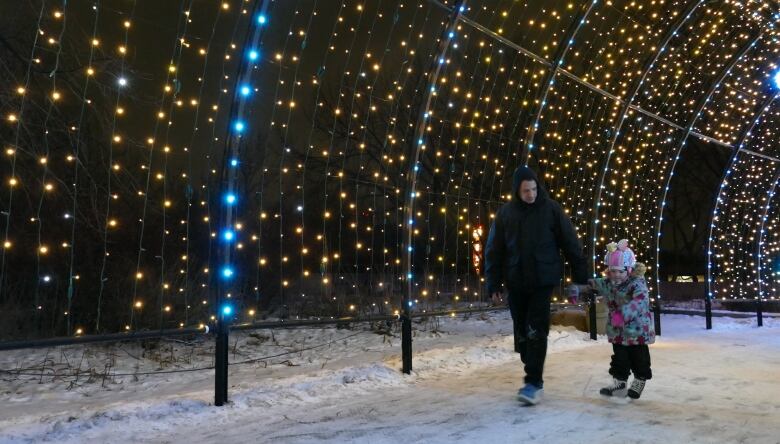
column 531, row 318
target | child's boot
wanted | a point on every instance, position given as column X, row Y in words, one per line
column 637, row 385
column 617, row 389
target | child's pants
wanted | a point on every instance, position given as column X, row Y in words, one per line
column 630, row 358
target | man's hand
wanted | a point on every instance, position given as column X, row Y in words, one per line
column 498, row 298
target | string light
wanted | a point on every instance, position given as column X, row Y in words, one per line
column 354, row 187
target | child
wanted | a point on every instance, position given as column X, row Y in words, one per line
column 630, row 325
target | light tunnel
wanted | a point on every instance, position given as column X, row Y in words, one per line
column 319, row 159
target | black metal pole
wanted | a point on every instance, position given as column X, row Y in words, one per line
column 657, row 316
column 221, row 363
column 406, row 341
column 592, row 316
column 708, row 311
column 759, row 312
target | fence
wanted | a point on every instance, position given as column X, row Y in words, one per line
column 221, row 330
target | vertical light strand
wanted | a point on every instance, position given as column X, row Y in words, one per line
column 171, row 72
column 41, row 248
column 189, row 191
column 304, row 208
column 107, row 220
column 19, row 120
column 418, row 144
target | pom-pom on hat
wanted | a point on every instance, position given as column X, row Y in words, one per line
column 619, row 256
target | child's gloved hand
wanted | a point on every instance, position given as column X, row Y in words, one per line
column 616, row 319
column 573, row 293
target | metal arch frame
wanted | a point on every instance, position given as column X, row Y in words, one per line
column 622, row 117
column 681, row 143
column 228, row 175
column 574, row 78
column 627, row 104
column 760, row 243
column 726, row 172
column 418, row 143
column 549, row 80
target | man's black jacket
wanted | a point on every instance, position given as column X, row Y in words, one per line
column 522, row 249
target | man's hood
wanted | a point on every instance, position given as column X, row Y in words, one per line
column 524, row 173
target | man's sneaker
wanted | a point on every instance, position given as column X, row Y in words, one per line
column 617, row 389
column 530, row 394
column 637, row 385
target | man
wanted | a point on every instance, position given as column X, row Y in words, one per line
column 522, row 253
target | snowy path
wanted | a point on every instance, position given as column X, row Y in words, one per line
column 709, row 386
column 718, row 391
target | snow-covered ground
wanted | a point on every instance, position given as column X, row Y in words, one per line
column 721, row 385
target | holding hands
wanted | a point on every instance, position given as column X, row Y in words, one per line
column 574, row 291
